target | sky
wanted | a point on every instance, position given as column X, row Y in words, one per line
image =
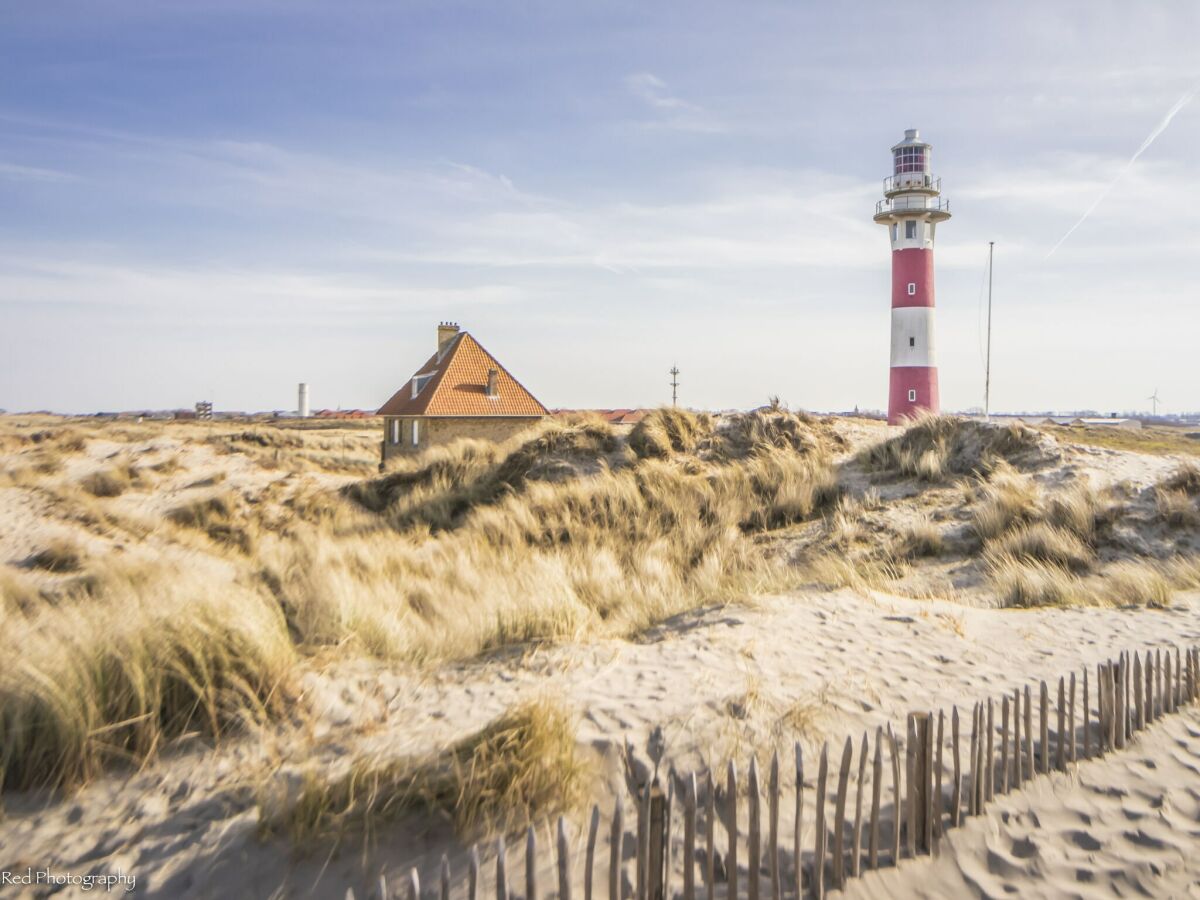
column 219, row 200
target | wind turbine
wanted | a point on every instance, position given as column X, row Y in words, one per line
column 1153, row 398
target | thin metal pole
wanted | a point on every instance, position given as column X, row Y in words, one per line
column 987, row 379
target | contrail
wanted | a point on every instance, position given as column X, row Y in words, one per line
column 1159, row 129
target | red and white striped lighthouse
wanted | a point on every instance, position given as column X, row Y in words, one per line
column 911, row 207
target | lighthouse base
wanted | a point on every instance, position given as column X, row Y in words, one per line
column 913, row 390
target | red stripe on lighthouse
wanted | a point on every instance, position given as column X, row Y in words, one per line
column 907, row 383
column 913, row 267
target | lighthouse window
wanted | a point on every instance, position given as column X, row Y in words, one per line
column 912, row 289
column 895, row 231
column 912, row 342
column 912, row 396
column 910, row 229
column 909, row 159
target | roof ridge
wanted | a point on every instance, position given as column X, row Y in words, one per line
column 436, row 394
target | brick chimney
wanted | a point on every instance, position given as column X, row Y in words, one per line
column 446, row 333
column 493, row 389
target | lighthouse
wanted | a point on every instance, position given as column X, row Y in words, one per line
column 911, row 208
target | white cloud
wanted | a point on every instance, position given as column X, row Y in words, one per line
column 673, row 112
column 15, row 172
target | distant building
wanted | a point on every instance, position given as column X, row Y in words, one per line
column 460, row 391
column 611, row 416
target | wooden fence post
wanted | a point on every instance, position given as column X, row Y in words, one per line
column 667, row 834
column 1087, row 718
column 856, row 849
column 839, row 818
column 818, row 879
column 1018, row 774
column 989, row 786
column 910, row 784
column 589, row 862
column 798, row 824
column 710, row 825
column 754, row 832
column 1155, row 666
column 731, row 856
column 414, row 884
column 1029, row 733
column 655, row 844
column 894, row 748
column 564, row 862
column 473, row 874
column 531, row 891
column 689, row 839
column 1175, row 703
column 773, row 829
column 972, row 807
column 922, row 824
column 616, row 835
column 1060, row 739
column 501, row 873
column 643, row 845
column 876, row 789
column 939, row 798
column 444, row 892
column 1139, row 708
column 1044, row 734
column 1119, row 703
column 956, row 794
column 1004, row 773
column 1114, row 700
column 1172, row 677
column 1071, row 717
column 1150, row 681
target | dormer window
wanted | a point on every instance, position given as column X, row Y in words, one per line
column 419, row 382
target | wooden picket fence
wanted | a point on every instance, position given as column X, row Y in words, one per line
column 1129, row 694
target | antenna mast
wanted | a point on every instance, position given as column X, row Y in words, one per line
column 987, row 378
column 674, row 372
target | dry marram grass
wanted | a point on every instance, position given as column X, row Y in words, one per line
column 525, row 763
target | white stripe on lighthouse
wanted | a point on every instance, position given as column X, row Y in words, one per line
column 912, row 336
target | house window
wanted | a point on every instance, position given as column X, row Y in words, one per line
column 416, row 433
column 419, row 382
column 912, row 289
column 395, row 431
column 910, row 229
column 912, row 342
column 912, row 396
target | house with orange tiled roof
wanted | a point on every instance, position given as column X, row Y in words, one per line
column 461, row 391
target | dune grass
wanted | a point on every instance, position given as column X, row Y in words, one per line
column 59, row 555
column 934, row 448
column 1027, row 582
column 1041, row 542
column 114, row 675
column 607, row 554
column 920, row 539
column 111, row 481
column 1176, row 509
column 523, row 764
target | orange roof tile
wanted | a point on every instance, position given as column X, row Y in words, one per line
column 456, row 385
